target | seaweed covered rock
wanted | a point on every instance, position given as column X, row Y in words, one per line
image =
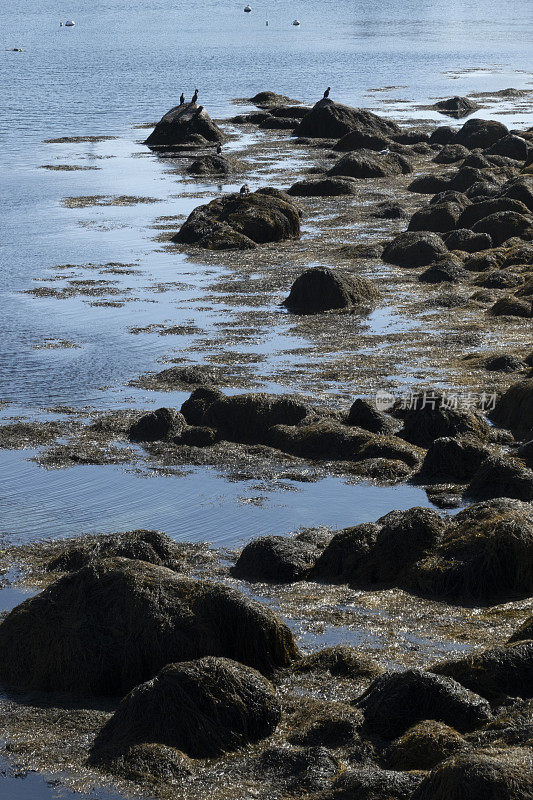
column 525, row 631
column 397, row 700
column 498, row 775
column 182, row 123
column 466, row 240
column 365, row 415
column 456, row 107
column 504, row 225
column 414, row 249
column 322, row 289
column 324, row 187
column 259, row 217
column 346, row 554
column 480, row 133
column 368, row 164
column 194, row 409
column 424, row 745
column 249, row 417
column 514, row 409
column 211, row 165
column 511, row 146
column 152, row 546
column 451, row 153
column 279, row 559
column 330, row 120
column 512, row 307
column 331, row 725
column 499, row 476
column 295, row 771
column 116, row 622
column 152, row 762
column 453, row 459
column 444, row 270
column 372, row 783
column 485, row 208
column 429, row 184
column 360, row 139
column 435, row 419
column 505, row 670
column 484, row 556
column 340, row 661
column 437, row 217
column 204, row 708
column 164, row 423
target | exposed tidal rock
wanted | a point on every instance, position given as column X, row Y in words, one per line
column 467, row 241
column 368, row 164
column 504, row 225
column 211, row 165
column 512, row 307
column 443, row 135
column 525, row 631
column 340, row 661
column 325, row 187
column 514, row 409
column 183, row 122
column 322, row 289
column 414, row 249
column 152, row 546
column 277, row 559
column 241, row 219
column 365, row 415
column 437, row 217
column 424, row 745
column 444, row 270
column 330, row 120
column 480, row 133
column 453, row 459
column 372, row 783
column 397, row 700
column 204, row 708
column 451, row 153
column 511, row 146
column 499, row 476
column 456, row 106
column 434, row 419
column 116, row 622
column 164, row 423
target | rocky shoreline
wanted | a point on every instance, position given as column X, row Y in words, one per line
column 175, row 668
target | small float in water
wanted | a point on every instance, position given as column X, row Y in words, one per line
column 296, row 22
column 69, row 23
column 247, row 9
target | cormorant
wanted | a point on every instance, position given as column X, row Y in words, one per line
column 326, row 93
column 198, row 111
column 195, row 96
column 245, row 189
column 219, row 149
column 182, row 99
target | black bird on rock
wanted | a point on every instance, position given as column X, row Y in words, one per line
column 326, row 93
column 219, row 149
column 182, row 99
column 245, row 189
column 195, row 96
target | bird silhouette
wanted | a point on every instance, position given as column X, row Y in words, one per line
column 182, row 99
column 245, row 189
column 326, row 93
column 219, row 149
column 195, row 96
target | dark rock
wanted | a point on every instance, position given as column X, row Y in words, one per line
column 152, row 546
column 258, row 216
column 151, row 761
column 365, row 415
column 503, row 225
column 484, row 189
column 195, row 407
column 329, row 120
column 498, row 775
column 466, row 177
column 477, row 211
column 429, row 184
column 164, row 423
column 484, row 260
column 321, row 289
column 443, row 135
column 449, row 459
column 372, row 783
column 456, row 107
column 411, row 137
column 514, row 410
column 501, row 477
column 333, row 726
column 211, row 165
column 289, row 111
column 116, row 622
column 254, row 118
column 359, row 139
column 475, row 159
column 510, row 146
column 248, row 417
column 324, row 187
column 279, row 123
column 198, row 436
column 500, row 279
column 520, row 189
column 451, row 196
column 275, row 559
column 340, row 661
column 482, row 555
column 512, row 307
column 438, row 217
column 467, row 241
column 434, row 419
column 204, row 708
column 414, row 249
column 444, row 270
column 397, row 700
column 179, row 124
column 367, row 164
column 480, row 133
column 451, row 153
column 268, row 98
column 346, row 553
column 304, row 771
column 524, row 632
column 388, row 210
column 505, row 670
column 424, row 745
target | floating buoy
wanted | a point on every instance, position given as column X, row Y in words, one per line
column 247, row 9
column 296, row 22
column 69, row 23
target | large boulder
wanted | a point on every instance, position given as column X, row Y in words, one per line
column 499, row 476
column 504, row 225
column 525, row 631
column 249, row 417
column 453, row 459
column 330, row 120
column 368, row 164
column 346, row 555
column 515, row 408
column 397, row 700
column 435, row 419
column 164, row 423
column 365, row 415
column 511, row 146
column 456, row 107
column 505, row 670
column 484, row 556
column 467, row 241
column 322, row 289
column 259, row 217
column 493, row 775
column 414, row 249
column 424, row 745
column 521, row 189
column 116, row 622
column 324, row 187
column 480, row 133
column 361, row 139
column 437, row 217
column 181, row 123
column 444, row 270
column 211, row 165
column 204, row 708
column 477, row 211
column 372, row 783
column 451, row 153
column 277, row 559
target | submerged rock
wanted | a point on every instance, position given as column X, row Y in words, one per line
column 241, row 220
column 330, row 120
column 182, row 123
column 397, row 700
column 204, row 708
column 322, row 289
column 116, row 622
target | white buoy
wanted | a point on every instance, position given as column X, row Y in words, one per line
column 69, row 23
column 296, row 22
column 247, row 9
